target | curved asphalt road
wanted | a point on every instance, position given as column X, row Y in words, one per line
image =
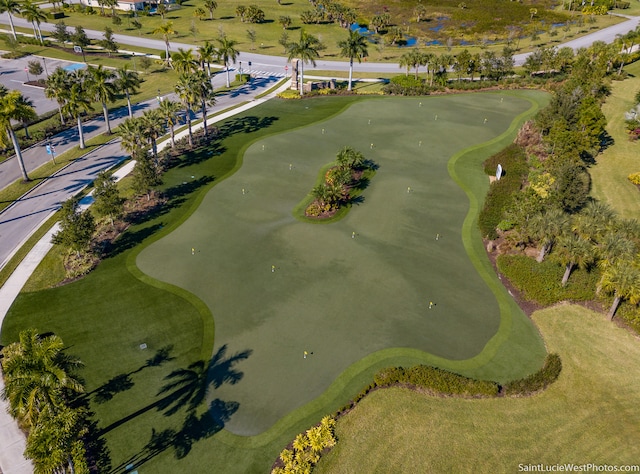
column 277, row 64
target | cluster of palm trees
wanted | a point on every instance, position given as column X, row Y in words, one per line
column 488, row 64
column 335, row 188
column 40, row 384
column 307, row 448
column 75, row 92
column 593, row 237
column 29, row 10
column 307, row 50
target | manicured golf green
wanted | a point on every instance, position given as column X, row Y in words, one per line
column 278, row 286
column 358, row 304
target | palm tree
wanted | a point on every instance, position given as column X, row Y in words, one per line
column 623, row 280
column 26, row 118
column 128, row 82
column 594, row 221
column 103, row 89
column 13, row 106
column 166, row 31
column 545, row 227
column 188, row 98
column 37, row 375
column 152, row 126
column 184, row 62
column 355, row 46
column 57, row 88
column 350, row 159
column 55, row 443
column 168, row 110
column 307, row 51
column 614, row 249
column 210, row 5
column 204, row 91
column 32, row 12
column 574, row 251
column 227, row 53
column 208, row 53
column 411, row 59
column 76, row 103
column 130, row 132
column 10, row 7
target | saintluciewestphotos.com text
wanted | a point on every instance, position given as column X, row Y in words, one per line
column 570, row 467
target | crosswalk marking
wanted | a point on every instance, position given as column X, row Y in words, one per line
column 255, row 73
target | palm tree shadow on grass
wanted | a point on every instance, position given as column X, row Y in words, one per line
column 123, row 382
column 186, row 390
column 244, row 125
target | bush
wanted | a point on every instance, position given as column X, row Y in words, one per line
column 501, row 192
column 437, row 380
column 406, row 85
column 289, row 94
column 634, row 178
column 540, row 380
column 541, row 282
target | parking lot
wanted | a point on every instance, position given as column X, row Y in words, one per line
column 14, row 75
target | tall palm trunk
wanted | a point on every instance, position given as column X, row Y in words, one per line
column 129, row 104
column 40, row 33
column 173, row 136
column 189, row 126
column 105, row 112
column 227, row 66
column 80, row 133
column 62, row 121
column 614, row 306
column 13, row 30
column 204, row 118
column 543, row 251
column 567, row 273
column 16, row 147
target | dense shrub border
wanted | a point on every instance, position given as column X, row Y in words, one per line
column 538, row 381
column 501, row 192
column 541, row 282
column 420, row 377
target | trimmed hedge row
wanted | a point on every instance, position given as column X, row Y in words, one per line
column 438, row 380
column 540, row 380
column 444, row 382
column 501, row 192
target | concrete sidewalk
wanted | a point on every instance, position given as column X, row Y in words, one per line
column 12, row 440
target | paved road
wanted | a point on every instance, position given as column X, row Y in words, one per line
column 276, row 64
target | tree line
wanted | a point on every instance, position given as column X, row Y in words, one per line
column 550, row 207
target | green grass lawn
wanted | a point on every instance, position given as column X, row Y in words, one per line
column 613, row 165
column 588, row 416
column 359, row 304
column 458, row 27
